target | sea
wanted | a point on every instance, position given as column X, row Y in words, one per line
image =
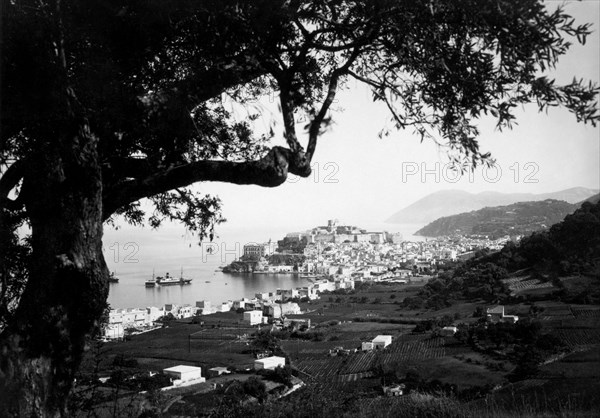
column 136, row 254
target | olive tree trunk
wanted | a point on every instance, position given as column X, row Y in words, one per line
column 65, row 296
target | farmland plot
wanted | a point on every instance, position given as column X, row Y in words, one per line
column 586, row 312
column 557, row 313
column 320, row 367
column 311, row 348
column 578, row 336
column 353, row 377
column 359, row 363
column 517, row 285
column 424, row 348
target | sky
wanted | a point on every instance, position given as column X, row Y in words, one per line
column 361, row 179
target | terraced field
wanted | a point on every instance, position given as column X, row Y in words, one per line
column 407, row 348
column 578, row 336
column 586, row 312
column 520, row 284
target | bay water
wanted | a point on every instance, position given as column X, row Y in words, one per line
column 135, row 254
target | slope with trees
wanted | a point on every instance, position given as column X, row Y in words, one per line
column 108, row 102
column 568, row 247
column 521, row 218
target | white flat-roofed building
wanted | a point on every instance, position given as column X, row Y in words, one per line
column 269, row 363
column 203, row 304
column 496, row 314
column 225, row 306
column 290, row 308
column 240, row 304
column 308, row 292
column 253, row 317
column 382, row 341
column 284, row 294
column 186, row 311
column 218, row 371
column 448, row 331
column 114, row 331
column 153, row 313
column 324, row 285
column 266, row 296
column 185, row 374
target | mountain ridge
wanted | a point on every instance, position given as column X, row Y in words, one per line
column 455, row 201
column 521, row 218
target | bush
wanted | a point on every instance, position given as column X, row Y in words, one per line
column 255, row 387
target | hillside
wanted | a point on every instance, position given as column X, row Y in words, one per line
column 452, row 202
column 593, row 199
column 516, row 219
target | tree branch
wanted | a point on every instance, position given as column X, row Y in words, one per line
column 315, row 125
column 269, row 171
column 287, row 112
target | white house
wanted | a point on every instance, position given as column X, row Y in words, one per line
column 265, row 296
column 290, row 308
column 382, row 341
column 448, row 331
column 186, row 311
column 225, row 306
column 172, row 309
column 203, row 304
column 396, row 390
column 253, row 317
column 185, row 374
column 269, row 363
column 309, row 292
column 218, row 371
column 114, row 331
column 259, row 250
column 153, row 313
column 367, row 346
column 284, row 294
column 241, row 303
column 496, row 314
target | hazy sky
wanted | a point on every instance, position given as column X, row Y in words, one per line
column 359, row 178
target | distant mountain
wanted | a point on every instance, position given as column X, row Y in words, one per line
column 452, row 202
column 520, row 218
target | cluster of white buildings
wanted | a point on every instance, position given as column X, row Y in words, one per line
column 256, row 250
column 377, row 253
column 337, row 234
column 258, row 310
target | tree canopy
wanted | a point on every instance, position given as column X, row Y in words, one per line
column 106, row 102
column 149, row 80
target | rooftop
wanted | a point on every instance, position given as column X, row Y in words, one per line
column 496, row 310
column 182, row 369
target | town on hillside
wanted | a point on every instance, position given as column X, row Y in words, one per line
column 333, row 257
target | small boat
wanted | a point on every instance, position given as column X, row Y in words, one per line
column 170, row 280
column 112, row 278
column 208, row 281
column 151, row 282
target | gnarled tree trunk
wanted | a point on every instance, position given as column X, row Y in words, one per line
column 68, row 285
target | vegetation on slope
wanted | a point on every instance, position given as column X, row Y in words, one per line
column 517, row 219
